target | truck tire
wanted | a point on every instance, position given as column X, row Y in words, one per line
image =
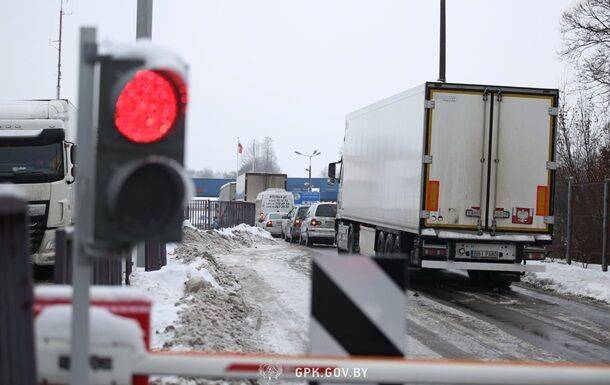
column 396, row 248
column 489, row 279
column 380, row 249
column 389, row 244
column 351, row 240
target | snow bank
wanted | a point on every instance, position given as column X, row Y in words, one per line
column 166, row 287
column 107, row 329
column 572, row 280
column 195, row 298
column 235, row 231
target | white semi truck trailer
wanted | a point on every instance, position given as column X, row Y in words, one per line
column 250, row 184
column 451, row 176
column 37, row 155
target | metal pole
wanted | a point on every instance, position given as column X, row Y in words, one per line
column 61, row 20
column 310, row 173
column 144, row 19
column 441, row 64
column 605, row 228
column 569, row 224
column 17, row 353
column 81, row 269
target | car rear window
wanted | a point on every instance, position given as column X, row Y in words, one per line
column 302, row 213
column 326, row 211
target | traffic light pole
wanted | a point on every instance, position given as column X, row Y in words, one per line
column 81, row 268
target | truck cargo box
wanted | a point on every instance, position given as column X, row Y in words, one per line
column 450, row 157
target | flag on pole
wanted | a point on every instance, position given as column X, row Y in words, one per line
column 240, row 148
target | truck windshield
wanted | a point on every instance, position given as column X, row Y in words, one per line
column 31, row 163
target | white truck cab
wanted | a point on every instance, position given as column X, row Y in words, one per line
column 37, row 155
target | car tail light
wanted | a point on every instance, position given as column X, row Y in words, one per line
column 269, row 224
column 314, row 222
column 297, row 223
column 147, row 107
column 435, row 251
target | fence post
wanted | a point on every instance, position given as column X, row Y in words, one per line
column 63, row 255
column 605, row 228
column 17, row 355
column 569, row 224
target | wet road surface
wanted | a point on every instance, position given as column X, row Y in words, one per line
column 448, row 316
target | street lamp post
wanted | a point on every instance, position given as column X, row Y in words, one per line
column 314, row 153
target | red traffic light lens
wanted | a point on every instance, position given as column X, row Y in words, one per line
column 147, row 107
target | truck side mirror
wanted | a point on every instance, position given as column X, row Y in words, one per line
column 72, row 178
column 332, row 173
column 73, row 153
column 332, row 170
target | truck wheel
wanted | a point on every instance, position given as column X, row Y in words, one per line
column 396, row 248
column 351, row 240
column 476, row 276
column 389, row 244
column 380, row 249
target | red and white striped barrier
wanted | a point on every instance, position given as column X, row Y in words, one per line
column 367, row 370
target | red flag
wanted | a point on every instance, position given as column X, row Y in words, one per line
column 240, row 148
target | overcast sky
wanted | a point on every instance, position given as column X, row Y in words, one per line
column 291, row 69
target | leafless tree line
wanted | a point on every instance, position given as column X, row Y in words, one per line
column 583, row 124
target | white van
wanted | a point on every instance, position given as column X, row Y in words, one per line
column 273, row 200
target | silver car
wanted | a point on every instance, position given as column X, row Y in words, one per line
column 272, row 223
column 291, row 229
column 319, row 224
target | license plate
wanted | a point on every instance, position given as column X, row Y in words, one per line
column 485, row 254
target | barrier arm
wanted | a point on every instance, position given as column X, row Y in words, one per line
column 368, row 370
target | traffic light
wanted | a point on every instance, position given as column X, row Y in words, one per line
column 140, row 185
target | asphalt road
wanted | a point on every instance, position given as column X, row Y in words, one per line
column 448, row 316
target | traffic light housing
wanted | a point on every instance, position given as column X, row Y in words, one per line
column 140, row 185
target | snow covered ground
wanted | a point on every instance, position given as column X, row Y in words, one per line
column 240, row 290
column 234, row 290
column 573, row 279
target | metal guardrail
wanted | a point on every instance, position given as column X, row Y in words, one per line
column 204, row 214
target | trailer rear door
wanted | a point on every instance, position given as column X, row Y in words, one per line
column 457, row 143
column 521, row 151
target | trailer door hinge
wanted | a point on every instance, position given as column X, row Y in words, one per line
column 553, row 111
column 551, row 165
column 549, row 220
column 427, row 159
column 430, row 103
column 424, row 214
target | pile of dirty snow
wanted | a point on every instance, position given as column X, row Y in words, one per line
column 573, row 279
column 197, row 302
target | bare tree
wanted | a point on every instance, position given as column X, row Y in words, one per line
column 579, row 140
column 586, row 35
column 259, row 156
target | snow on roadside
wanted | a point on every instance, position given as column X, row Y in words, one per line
column 165, row 287
column 572, row 280
column 197, row 301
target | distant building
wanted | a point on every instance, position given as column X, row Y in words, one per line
column 210, row 187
